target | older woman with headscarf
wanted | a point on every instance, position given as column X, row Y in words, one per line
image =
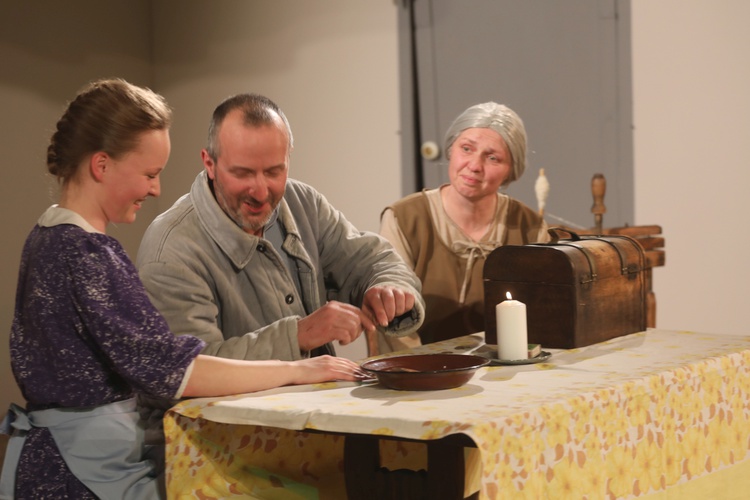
column 445, row 234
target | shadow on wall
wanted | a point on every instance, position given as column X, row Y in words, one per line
column 40, row 56
column 272, row 28
column 3, row 446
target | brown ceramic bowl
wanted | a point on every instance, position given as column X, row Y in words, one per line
column 425, row 372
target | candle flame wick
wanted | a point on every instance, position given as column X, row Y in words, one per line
column 507, row 295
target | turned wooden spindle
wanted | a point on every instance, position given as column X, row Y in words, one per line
column 598, row 189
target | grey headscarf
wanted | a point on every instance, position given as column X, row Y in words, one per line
column 502, row 120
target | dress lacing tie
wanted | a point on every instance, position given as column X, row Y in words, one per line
column 471, row 250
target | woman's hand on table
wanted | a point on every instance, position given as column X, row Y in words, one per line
column 326, row 368
column 213, row 376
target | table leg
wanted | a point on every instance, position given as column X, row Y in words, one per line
column 366, row 479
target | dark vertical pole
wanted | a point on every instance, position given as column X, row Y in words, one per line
column 418, row 170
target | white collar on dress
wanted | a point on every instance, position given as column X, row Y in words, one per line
column 56, row 215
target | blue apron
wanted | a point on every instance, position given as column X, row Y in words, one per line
column 102, row 446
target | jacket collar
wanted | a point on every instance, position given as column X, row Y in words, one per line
column 238, row 245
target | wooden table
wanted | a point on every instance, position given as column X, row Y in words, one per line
column 658, row 413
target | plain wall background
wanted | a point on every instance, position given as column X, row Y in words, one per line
column 692, row 156
column 332, row 66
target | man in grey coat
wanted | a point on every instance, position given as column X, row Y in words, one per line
column 251, row 261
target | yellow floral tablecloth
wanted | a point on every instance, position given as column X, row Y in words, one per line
column 660, row 413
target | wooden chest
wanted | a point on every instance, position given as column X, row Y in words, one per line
column 578, row 291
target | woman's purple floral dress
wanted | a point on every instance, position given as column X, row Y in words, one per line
column 84, row 334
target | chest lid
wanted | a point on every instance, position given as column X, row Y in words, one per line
column 573, row 261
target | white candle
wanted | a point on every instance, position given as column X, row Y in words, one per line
column 512, row 337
